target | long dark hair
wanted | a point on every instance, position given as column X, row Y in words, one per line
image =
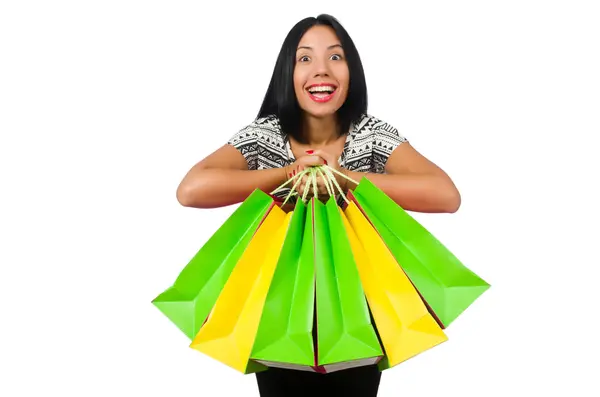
column 280, row 99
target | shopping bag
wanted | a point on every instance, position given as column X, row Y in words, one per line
column 445, row 283
column 230, row 330
column 346, row 336
column 189, row 300
column 285, row 335
column 403, row 322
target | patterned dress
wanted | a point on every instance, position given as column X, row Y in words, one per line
column 368, row 145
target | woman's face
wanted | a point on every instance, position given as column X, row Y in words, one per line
column 321, row 75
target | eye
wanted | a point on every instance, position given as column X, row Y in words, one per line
column 303, row 59
column 336, row 57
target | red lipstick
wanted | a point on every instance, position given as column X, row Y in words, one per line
column 321, row 96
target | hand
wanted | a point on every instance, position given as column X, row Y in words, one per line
column 316, row 157
column 331, row 161
column 300, row 165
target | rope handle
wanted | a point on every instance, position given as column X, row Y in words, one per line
column 326, row 172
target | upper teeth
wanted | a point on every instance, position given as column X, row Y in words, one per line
column 321, row 89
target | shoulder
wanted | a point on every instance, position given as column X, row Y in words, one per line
column 374, row 126
column 380, row 133
column 261, row 142
column 260, row 129
column 373, row 140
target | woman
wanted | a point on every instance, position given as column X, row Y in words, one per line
column 315, row 112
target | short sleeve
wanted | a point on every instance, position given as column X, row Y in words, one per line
column 386, row 139
column 246, row 141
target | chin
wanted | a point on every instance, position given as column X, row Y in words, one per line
column 320, row 112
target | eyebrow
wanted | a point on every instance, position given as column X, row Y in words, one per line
column 310, row 48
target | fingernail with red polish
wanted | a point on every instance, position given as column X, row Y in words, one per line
column 310, row 151
column 325, row 161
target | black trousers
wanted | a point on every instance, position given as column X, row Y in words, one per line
column 354, row 382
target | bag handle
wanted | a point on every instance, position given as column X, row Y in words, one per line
column 326, row 172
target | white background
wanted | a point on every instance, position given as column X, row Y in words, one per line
column 104, row 105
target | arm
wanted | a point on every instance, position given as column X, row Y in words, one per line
column 414, row 182
column 223, row 179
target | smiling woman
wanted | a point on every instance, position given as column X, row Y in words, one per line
column 315, row 112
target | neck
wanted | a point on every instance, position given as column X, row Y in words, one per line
column 320, row 131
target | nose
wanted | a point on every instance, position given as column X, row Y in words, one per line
column 321, row 68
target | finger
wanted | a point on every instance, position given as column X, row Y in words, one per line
column 310, row 183
column 303, row 180
column 322, row 185
column 312, row 159
column 313, row 186
column 323, row 191
column 325, row 157
column 302, row 185
column 296, row 172
column 299, row 185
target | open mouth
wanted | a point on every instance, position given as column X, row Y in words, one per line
column 321, row 92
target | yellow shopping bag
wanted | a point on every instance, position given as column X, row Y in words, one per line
column 230, row 330
column 405, row 326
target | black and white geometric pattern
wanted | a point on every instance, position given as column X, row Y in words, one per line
column 369, row 144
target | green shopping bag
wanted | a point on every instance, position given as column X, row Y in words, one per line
column 285, row 333
column 447, row 286
column 346, row 337
column 190, row 299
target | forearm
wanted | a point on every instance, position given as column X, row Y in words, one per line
column 217, row 187
column 414, row 192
